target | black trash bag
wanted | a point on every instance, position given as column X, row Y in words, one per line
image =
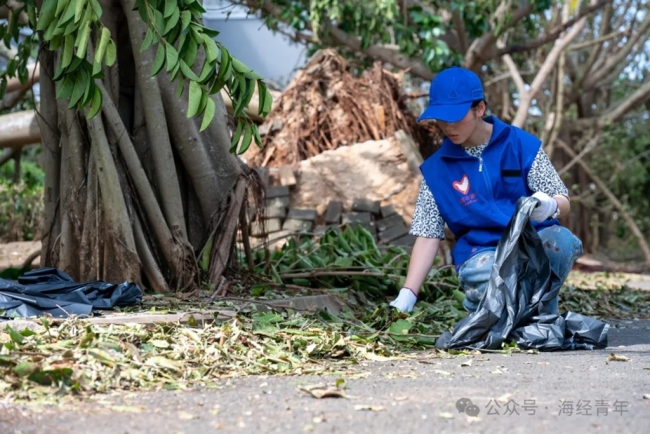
column 515, row 303
column 51, row 291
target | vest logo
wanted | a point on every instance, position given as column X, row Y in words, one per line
column 462, row 185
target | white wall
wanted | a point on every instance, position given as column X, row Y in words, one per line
column 272, row 55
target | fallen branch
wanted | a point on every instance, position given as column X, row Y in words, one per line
column 614, row 200
column 28, row 261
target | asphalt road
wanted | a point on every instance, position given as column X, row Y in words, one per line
column 564, row 392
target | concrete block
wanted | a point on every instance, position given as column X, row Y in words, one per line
column 279, row 191
column 272, row 225
column 333, row 212
column 407, row 240
column 393, row 233
column 297, row 225
column 366, row 205
column 276, row 212
column 386, row 223
column 279, row 202
column 360, row 217
column 388, row 210
column 302, row 214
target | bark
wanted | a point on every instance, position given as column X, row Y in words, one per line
column 72, row 164
column 224, row 238
column 125, row 264
column 192, row 149
column 141, row 183
column 90, row 267
column 157, row 128
column 50, row 141
column 150, row 266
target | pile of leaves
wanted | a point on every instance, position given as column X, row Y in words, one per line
column 75, row 358
column 326, row 106
column 347, row 261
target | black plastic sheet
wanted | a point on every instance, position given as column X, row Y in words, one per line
column 51, row 291
column 515, row 303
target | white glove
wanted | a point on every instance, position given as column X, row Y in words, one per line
column 405, row 300
column 546, row 208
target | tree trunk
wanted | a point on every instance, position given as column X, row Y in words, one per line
column 124, row 191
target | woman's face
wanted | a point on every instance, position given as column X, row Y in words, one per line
column 459, row 132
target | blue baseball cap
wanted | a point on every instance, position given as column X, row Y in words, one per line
column 451, row 95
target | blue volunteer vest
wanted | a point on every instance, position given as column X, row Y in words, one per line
column 477, row 196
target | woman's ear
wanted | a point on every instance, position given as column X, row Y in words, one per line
column 481, row 109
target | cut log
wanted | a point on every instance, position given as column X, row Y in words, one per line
column 19, row 129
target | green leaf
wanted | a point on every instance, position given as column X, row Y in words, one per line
column 239, row 66
column 206, row 72
column 159, row 61
column 149, row 39
column 103, row 43
column 190, row 52
column 246, row 141
column 15, row 336
column 65, row 88
column 186, row 18
column 159, row 21
column 60, row 6
column 224, row 64
column 95, row 103
column 68, row 51
column 211, row 50
column 249, row 89
column 170, row 7
column 256, row 136
column 205, row 254
column 79, row 9
column 80, row 86
column 187, row 72
column 204, row 102
column 208, row 114
column 46, row 14
column 55, row 42
column 179, row 88
column 96, row 8
column 83, row 43
column 265, row 99
column 31, row 13
column 172, row 56
column 400, row 327
column 24, row 369
column 194, row 99
column 172, row 21
column 111, row 53
column 237, row 136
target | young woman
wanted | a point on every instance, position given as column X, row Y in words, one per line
column 472, row 183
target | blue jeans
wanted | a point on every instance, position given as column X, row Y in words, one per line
column 562, row 247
